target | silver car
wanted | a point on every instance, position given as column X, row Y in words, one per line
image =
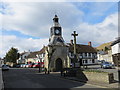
column 5, row 67
column 106, row 65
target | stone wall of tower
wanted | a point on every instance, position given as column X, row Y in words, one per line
column 60, row 52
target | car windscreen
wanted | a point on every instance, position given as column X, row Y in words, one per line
column 107, row 63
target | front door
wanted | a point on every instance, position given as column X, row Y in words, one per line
column 58, row 64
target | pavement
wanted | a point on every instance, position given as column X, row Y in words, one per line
column 102, row 85
column 1, row 80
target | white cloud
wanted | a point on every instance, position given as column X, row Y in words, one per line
column 61, row 0
column 21, row 43
column 100, row 33
column 35, row 19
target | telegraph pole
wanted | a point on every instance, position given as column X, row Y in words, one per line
column 74, row 35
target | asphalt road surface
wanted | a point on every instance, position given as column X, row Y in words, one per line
column 29, row 78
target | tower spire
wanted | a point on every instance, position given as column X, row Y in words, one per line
column 56, row 20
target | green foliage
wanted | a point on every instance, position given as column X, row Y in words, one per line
column 106, row 49
column 12, row 55
column 96, row 71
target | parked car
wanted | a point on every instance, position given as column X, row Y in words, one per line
column 5, row 67
column 18, row 66
column 26, row 65
column 31, row 65
column 106, row 65
column 23, row 65
column 99, row 62
column 38, row 64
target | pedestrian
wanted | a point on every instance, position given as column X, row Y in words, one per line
column 61, row 72
column 45, row 70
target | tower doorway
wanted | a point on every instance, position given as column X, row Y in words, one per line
column 58, row 64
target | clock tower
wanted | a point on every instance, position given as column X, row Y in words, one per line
column 57, row 50
column 56, row 33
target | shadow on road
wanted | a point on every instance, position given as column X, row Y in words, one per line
column 30, row 78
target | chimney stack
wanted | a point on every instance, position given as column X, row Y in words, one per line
column 71, row 42
column 90, row 44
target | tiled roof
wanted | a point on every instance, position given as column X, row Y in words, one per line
column 42, row 50
column 82, row 48
column 116, row 41
column 23, row 53
column 33, row 54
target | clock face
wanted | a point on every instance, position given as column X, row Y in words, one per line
column 57, row 31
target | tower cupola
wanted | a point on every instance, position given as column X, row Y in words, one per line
column 56, row 32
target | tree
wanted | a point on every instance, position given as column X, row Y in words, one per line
column 12, row 55
column 106, row 49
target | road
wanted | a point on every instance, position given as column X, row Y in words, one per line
column 29, row 78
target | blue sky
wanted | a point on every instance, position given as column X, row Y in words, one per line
column 31, row 22
column 18, row 34
column 102, row 10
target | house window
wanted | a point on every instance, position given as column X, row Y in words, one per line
column 86, row 61
column 44, row 55
column 82, row 61
column 72, row 54
column 83, row 54
column 69, row 54
column 89, row 54
column 80, row 54
column 93, row 61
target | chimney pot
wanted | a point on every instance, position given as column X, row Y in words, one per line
column 90, row 44
column 71, row 42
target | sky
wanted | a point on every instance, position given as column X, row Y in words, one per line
column 26, row 25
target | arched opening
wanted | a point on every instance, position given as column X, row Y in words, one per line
column 58, row 64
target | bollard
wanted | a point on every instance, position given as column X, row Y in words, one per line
column 119, row 76
column 111, row 78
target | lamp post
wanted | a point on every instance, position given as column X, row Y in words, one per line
column 74, row 35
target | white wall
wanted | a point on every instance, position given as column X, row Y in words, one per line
column 107, row 57
column 116, row 48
